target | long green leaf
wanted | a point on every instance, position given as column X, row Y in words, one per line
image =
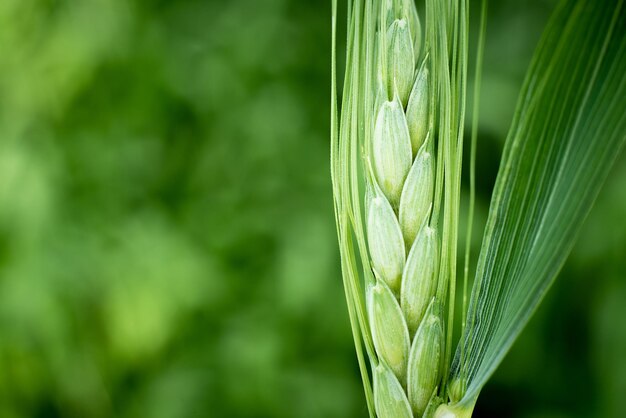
column 569, row 126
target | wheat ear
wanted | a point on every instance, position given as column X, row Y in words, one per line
column 403, row 311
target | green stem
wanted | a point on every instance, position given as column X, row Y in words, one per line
column 455, row 410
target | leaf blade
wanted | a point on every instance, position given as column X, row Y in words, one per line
column 560, row 148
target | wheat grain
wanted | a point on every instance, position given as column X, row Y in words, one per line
column 389, row 331
column 389, row 396
column 424, row 360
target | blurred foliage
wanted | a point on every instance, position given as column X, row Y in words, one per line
column 167, row 241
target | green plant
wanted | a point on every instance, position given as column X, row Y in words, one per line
column 396, row 155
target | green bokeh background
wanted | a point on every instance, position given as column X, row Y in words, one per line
column 167, row 242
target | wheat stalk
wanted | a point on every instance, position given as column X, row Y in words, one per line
column 399, row 113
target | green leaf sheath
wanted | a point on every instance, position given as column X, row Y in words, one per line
column 569, row 126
